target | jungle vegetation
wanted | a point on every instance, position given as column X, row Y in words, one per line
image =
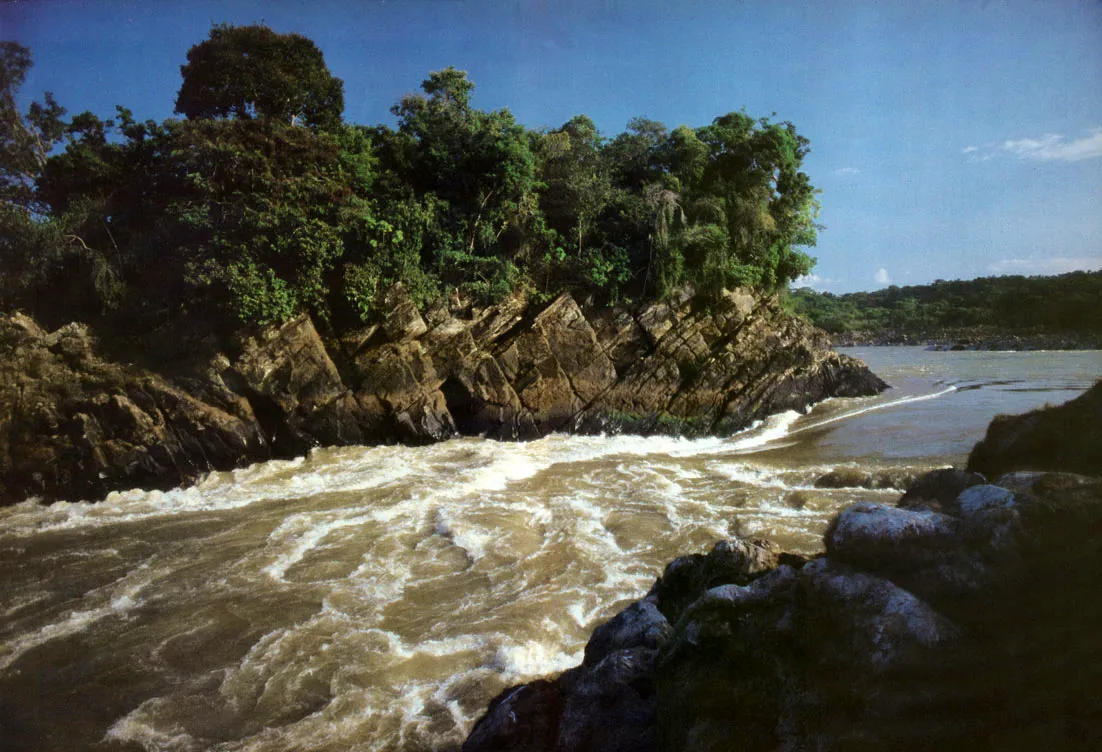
column 260, row 201
column 1052, row 305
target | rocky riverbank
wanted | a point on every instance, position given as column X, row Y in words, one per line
column 972, row 338
column 78, row 422
column 963, row 617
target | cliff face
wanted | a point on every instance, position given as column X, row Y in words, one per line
column 961, row 618
column 76, row 425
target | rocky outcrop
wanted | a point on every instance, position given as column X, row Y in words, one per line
column 963, row 618
column 77, row 425
column 1067, row 437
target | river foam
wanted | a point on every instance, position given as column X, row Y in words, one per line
column 376, row 598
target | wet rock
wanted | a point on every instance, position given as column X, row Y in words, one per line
column 964, row 618
column 735, row 561
column 937, row 490
column 515, row 370
column 806, row 500
column 1065, row 438
column 611, row 705
column 853, row 477
column 521, row 719
column 871, row 535
column 639, row 625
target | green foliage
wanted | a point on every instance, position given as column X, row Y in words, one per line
column 251, row 71
column 1066, row 303
column 26, row 139
column 240, row 211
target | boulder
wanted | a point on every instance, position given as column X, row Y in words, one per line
column 1065, row 438
column 639, row 625
column 735, row 561
column 937, row 490
column 968, row 628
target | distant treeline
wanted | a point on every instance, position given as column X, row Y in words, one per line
column 261, row 201
column 1044, row 305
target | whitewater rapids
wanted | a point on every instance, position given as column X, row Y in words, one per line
column 376, row 598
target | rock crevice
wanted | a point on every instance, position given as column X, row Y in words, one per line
column 77, row 425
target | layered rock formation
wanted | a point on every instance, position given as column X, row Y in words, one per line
column 77, row 424
column 963, row 618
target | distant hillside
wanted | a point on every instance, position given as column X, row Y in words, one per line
column 1068, row 305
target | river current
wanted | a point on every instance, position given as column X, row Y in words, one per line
column 376, row 598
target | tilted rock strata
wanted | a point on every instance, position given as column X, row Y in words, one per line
column 969, row 628
column 78, row 425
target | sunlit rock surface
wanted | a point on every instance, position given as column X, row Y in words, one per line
column 82, row 424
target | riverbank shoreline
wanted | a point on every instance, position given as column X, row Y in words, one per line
column 971, row 339
column 83, row 421
column 957, row 617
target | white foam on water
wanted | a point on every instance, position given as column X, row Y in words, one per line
column 138, row 728
column 519, row 661
column 122, row 599
column 750, row 475
column 451, row 523
column 761, row 433
column 875, row 407
column 275, row 480
column 18, row 603
column 468, row 490
column 448, row 646
column 304, row 533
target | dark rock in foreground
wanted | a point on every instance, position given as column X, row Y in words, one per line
column 964, row 618
column 78, row 425
column 1066, row 437
column 973, row 629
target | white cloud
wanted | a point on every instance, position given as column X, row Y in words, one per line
column 814, row 281
column 1051, row 147
column 881, row 277
column 847, row 171
column 1052, row 265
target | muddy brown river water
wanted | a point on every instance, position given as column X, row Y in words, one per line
column 376, row 598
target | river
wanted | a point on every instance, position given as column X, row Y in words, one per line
column 376, row 598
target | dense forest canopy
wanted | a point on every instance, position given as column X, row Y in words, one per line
column 1065, row 303
column 261, row 202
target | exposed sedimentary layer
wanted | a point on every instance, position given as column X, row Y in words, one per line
column 77, row 424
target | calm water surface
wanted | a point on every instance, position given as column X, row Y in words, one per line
column 377, row 598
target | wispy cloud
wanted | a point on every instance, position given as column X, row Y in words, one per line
column 847, row 171
column 1051, row 147
column 1050, row 265
column 881, row 277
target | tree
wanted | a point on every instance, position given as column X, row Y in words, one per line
column 25, row 140
column 577, row 179
column 251, row 71
column 477, row 170
column 769, row 203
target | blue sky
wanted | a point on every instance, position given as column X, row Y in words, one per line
column 950, row 139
